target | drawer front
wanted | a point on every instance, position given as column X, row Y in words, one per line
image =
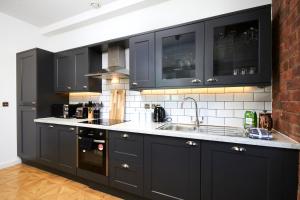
column 127, row 146
column 126, row 176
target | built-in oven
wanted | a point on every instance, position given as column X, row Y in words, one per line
column 93, row 150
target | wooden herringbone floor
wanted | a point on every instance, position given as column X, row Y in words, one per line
column 22, row 182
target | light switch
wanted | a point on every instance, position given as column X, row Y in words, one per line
column 5, row 104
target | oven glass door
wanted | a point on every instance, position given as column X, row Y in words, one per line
column 93, row 159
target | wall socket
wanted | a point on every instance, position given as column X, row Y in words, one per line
column 5, row 104
column 147, row 106
column 154, row 105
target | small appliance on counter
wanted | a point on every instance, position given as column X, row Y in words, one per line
column 64, row 110
column 265, row 120
column 259, row 133
column 159, row 114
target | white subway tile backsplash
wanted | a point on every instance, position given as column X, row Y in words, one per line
column 239, row 113
column 224, row 97
column 217, row 121
column 234, row 122
column 234, row 105
column 216, row 105
column 186, row 104
column 254, row 105
column 225, row 113
column 171, row 105
column 207, row 97
column 243, row 97
column 177, row 111
column 211, row 113
column 266, row 96
column 268, row 106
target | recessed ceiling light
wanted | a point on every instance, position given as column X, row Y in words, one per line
column 95, row 4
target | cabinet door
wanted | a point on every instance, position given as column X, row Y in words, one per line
column 171, row 169
column 81, row 69
column 67, row 149
column 235, row 172
column 142, row 69
column 26, row 133
column 64, row 71
column 26, row 78
column 180, row 56
column 238, row 49
column 47, row 145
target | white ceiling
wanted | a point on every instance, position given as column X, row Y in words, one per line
column 42, row 13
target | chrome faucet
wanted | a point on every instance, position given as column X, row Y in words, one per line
column 196, row 109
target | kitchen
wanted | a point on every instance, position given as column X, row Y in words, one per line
column 161, row 109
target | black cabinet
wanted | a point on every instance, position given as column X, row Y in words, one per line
column 26, row 76
column 26, row 132
column 64, row 71
column 142, row 68
column 235, row 172
column 238, row 48
column 72, row 66
column 171, row 168
column 180, row 56
column 47, row 142
column 67, row 149
column 35, row 94
column 57, row 147
column 126, row 161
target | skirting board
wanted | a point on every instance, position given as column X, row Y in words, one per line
column 10, row 163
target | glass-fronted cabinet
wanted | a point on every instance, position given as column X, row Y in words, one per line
column 180, row 56
column 238, row 49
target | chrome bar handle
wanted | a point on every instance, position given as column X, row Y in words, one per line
column 191, row 143
column 196, row 81
column 125, row 166
column 51, row 126
column 72, row 129
column 134, row 83
column 212, row 80
column 238, row 149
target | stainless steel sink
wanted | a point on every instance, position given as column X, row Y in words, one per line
column 205, row 129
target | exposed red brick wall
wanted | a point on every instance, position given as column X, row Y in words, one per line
column 286, row 68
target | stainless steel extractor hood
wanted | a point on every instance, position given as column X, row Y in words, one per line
column 116, row 64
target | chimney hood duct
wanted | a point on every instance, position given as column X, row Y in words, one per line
column 116, row 64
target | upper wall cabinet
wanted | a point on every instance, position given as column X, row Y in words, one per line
column 179, row 56
column 238, row 49
column 72, row 66
column 142, row 71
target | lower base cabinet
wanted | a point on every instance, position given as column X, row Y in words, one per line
column 57, row 147
column 243, row 172
column 171, row 168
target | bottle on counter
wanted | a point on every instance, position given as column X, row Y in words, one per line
column 250, row 119
column 90, row 110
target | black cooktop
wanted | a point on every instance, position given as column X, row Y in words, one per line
column 104, row 122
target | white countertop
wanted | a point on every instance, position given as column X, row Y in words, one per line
column 150, row 128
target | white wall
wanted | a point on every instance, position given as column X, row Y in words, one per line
column 15, row 36
column 165, row 14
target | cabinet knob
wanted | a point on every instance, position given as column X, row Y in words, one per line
column 69, row 88
column 125, row 135
column 134, row 83
column 196, row 81
column 72, row 129
column 191, row 143
column 125, row 166
column 212, row 80
column 51, row 126
column 33, row 103
column 238, row 149
column 84, row 87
